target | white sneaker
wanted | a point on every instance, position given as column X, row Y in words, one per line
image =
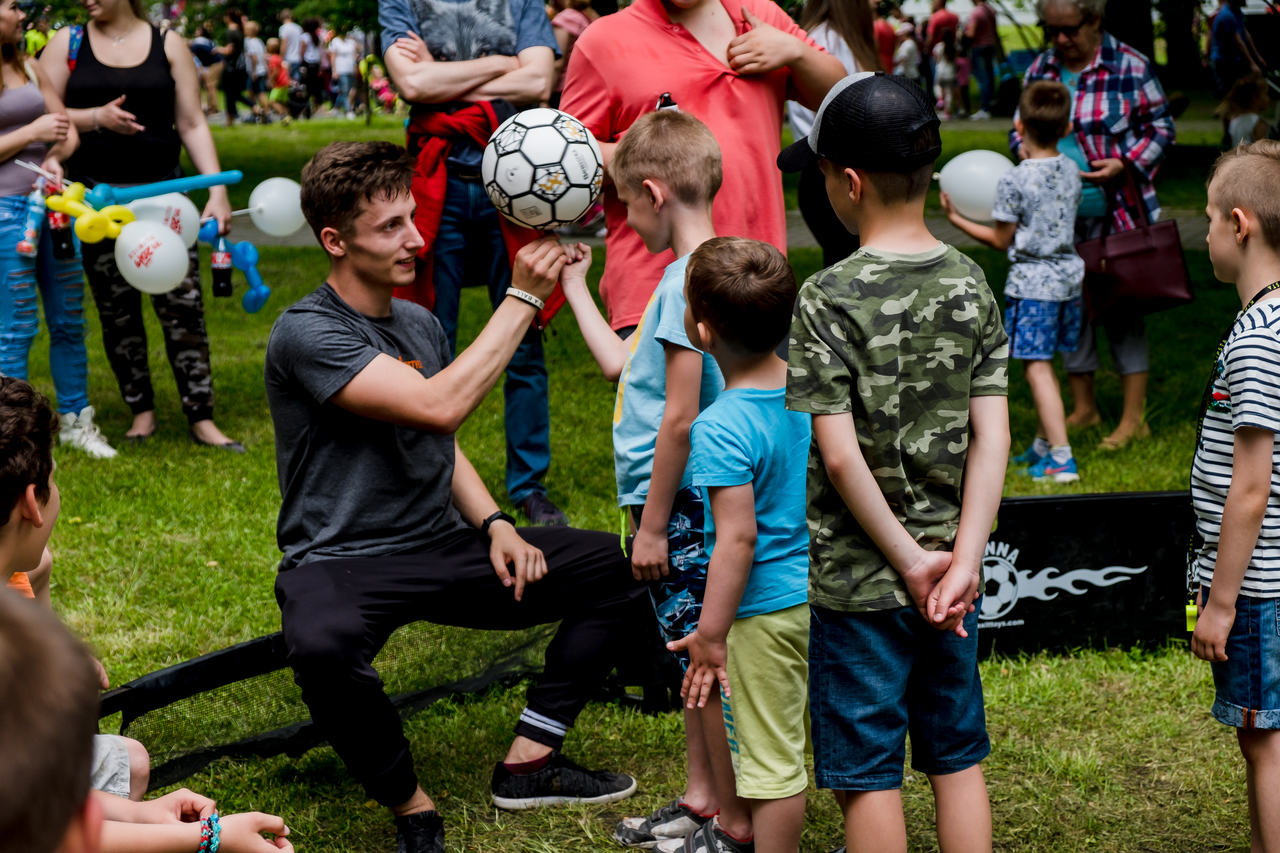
column 80, row 431
column 980, row 115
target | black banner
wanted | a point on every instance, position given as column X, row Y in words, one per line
column 1085, row 570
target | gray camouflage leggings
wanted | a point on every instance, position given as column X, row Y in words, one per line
column 181, row 315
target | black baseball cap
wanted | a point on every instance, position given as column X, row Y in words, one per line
column 876, row 122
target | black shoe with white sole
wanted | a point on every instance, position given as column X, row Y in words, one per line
column 558, row 781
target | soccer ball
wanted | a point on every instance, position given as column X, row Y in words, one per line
column 1000, row 592
column 542, row 169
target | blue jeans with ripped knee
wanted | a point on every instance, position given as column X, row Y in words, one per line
column 60, row 285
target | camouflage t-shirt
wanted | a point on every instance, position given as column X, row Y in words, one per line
column 902, row 342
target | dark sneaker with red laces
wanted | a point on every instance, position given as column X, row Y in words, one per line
column 542, row 512
column 558, row 781
column 674, row 820
column 422, row 832
column 709, row 838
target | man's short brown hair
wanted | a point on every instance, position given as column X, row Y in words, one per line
column 342, row 176
column 1248, row 177
column 743, row 290
column 673, row 147
column 27, row 428
column 1045, row 112
column 49, row 693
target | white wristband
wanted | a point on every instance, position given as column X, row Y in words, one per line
column 526, row 296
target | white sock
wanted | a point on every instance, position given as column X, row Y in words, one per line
column 1061, row 454
column 1040, row 446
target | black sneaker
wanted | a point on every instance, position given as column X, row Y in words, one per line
column 421, row 832
column 542, row 512
column 674, row 820
column 709, row 838
column 559, row 781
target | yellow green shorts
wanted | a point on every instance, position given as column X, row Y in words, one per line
column 767, row 716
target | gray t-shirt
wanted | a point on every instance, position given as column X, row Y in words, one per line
column 352, row 486
column 1042, row 196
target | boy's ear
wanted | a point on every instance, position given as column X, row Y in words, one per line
column 1243, row 223
column 332, row 242
column 1019, row 128
column 30, row 507
column 705, row 337
column 854, row 185
column 655, row 192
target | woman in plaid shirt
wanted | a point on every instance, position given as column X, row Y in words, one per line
column 1122, row 121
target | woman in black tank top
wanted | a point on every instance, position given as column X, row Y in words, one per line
column 132, row 94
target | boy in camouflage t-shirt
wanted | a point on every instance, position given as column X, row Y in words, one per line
column 899, row 355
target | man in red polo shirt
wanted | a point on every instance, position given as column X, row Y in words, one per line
column 732, row 64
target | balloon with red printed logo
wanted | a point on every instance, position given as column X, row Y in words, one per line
column 172, row 209
column 151, row 256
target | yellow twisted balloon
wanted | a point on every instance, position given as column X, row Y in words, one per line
column 92, row 226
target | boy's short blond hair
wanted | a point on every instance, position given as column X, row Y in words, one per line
column 672, row 147
column 1248, row 177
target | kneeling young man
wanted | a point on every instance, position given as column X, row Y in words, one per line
column 383, row 521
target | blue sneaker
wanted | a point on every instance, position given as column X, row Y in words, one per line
column 1049, row 471
column 1028, row 457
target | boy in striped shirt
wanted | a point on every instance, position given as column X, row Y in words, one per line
column 1235, row 478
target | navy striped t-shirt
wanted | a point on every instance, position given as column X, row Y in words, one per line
column 1246, row 393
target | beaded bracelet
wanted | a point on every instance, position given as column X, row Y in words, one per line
column 210, row 833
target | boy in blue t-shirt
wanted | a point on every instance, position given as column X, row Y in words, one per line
column 1235, row 478
column 749, row 457
column 1035, row 213
column 667, row 170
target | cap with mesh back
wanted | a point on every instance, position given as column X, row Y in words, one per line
column 869, row 121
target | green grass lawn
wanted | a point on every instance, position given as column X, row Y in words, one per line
column 168, row 552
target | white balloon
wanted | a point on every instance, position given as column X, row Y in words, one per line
column 275, row 206
column 172, row 209
column 970, row 180
column 151, row 256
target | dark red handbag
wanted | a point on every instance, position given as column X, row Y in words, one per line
column 1136, row 272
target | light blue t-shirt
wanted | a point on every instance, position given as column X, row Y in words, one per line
column 1093, row 201
column 748, row 436
column 642, row 387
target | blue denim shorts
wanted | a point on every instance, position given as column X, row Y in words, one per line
column 876, row 677
column 1247, row 684
column 1037, row 328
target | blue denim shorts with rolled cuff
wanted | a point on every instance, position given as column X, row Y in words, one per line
column 877, row 677
column 1247, row 684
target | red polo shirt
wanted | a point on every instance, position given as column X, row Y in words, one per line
column 619, row 68
column 939, row 22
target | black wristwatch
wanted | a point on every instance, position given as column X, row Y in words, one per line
column 497, row 516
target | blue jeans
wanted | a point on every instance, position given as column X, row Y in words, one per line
column 61, row 287
column 342, row 99
column 984, row 68
column 470, row 241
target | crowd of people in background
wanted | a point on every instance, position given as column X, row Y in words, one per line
column 306, row 69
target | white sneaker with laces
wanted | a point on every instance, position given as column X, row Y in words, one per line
column 80, row 431
column 980, row 115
